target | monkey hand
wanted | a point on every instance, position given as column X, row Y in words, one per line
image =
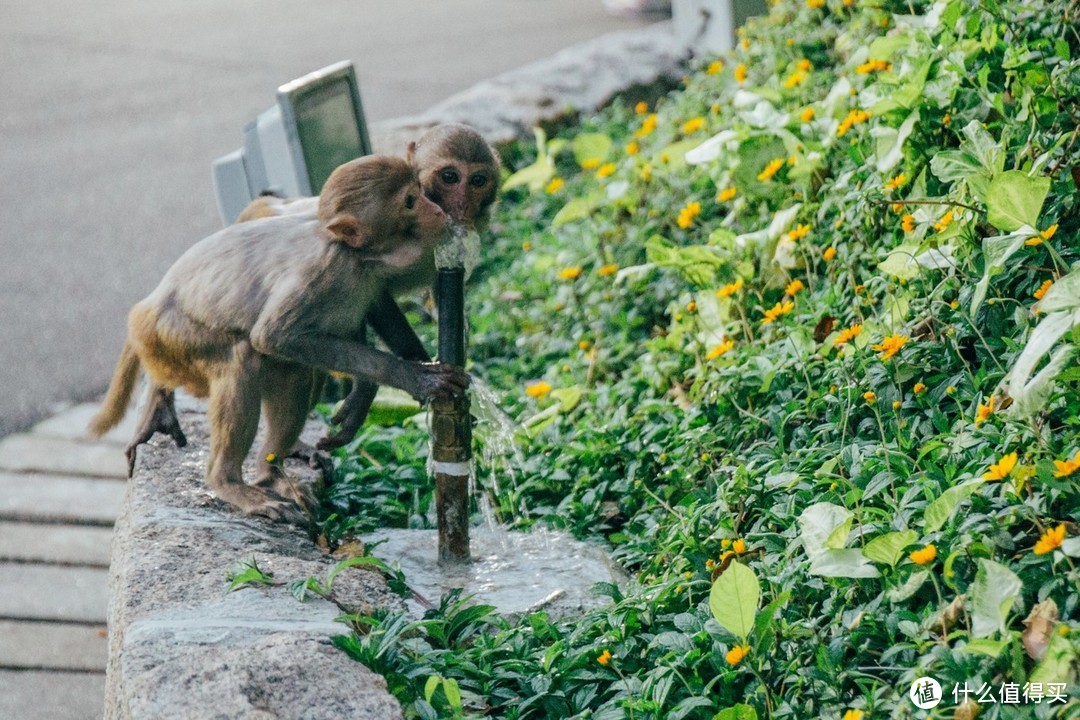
column 437, row 381
column 350, row 416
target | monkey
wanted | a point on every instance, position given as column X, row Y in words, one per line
column 244, row 315
column 459, row 171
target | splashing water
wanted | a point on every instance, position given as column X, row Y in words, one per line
column 460, row 248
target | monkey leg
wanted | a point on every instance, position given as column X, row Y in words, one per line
column 351, row 415
column 234, row 418
column 159, row 416
column 286, row 393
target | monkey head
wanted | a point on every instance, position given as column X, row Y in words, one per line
column 375, row 205
column 458, row 171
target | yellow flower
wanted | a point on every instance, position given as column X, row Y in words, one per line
column 870, row 396
column 647, row 125
column 715, row 67
column 895, row 182
column 740, row 73
column 1044, row 235
column 946, row 120
column 739, row 546
column 730, row 289
column 584, row 345
column 799, row 232
column 646, row 172
column 1067, row 467
column 632, row 148
column 815, row 4
column 923, row 556
column 745, row 43
column 641, row 108
column 693, row 125
column 726, row 194
column 538, row 389
column 776, row 311
column 853, row 118
column 873, row 66
column 554, row 186
column 983, row 412
column 945, row 221
column 1002, row 468
column 605, row 170
column 907, row 223
column 805, row 65
column 807, row 114
column 890, row 346
column 852, row 714
column 897, row 404
column 720, row 350
column 1050, row 540
column 829, row 254
column 794, row 287
column 691, row 307
column 848, row 334
column 570, row 273
column 771, row 169
column 271, row 457
column 794, row 79
column 1041, row 292
column 590, row 163
column 735, row 655
column 605, row 657
column 688, row 213
column 606, row 270
column 919, row 388
column 526, row 246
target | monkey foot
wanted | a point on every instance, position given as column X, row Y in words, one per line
column 300, row 495
column 262, row 502
column 160, row 417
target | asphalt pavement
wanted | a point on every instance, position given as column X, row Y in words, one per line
column 111, row 113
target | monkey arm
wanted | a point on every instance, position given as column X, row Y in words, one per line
column 390, row 324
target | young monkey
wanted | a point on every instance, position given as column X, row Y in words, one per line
column 459, row 171
column 244, row 315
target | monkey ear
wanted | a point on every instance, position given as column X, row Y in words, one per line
column 349, row 230
column 410, row 153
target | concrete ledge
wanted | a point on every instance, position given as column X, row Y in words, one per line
column 180, row 646
column 578, row 79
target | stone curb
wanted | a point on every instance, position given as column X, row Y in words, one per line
column 179, row 646
column 578, row 79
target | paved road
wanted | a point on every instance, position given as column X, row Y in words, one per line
column 111, row 112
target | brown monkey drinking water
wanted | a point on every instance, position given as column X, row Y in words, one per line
column 244, row 315
column 459, row 171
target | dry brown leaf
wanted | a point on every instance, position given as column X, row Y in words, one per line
column 1039, row 628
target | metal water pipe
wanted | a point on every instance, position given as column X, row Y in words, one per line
column 451, row 428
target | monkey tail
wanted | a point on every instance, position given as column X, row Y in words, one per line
column 119, row 395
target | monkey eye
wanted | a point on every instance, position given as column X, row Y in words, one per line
column 450, row 176
column 410, row 201
column 478, row 180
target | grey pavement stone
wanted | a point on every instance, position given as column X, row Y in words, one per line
column 61, row 544
column 71, row 423
column 34, row 453
column 35, row 695
column 49, row 592
column 52, row 498
column 53, row 646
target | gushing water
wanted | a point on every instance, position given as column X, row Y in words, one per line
column 516, row 572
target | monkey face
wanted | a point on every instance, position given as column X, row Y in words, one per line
column 459, row 171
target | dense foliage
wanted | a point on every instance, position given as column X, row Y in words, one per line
column 798, row 343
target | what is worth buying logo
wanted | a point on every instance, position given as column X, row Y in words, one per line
column 925, row 693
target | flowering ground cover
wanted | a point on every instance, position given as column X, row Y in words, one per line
column 798, row 343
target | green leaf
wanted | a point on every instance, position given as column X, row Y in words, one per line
column 734, row 599
column 889, row 548
column 392, row 406
column 940, row 510
column 697, row 263
column 576, row 209
column 900, row 262
column 996, row 252
column 846, row 563
column 568, row 397
column 889, row 142
column 988, row 647
column 909, row 587
column 987, row 150
column 430, row 687
column 1057, row 663
column 1015, row 199
column 737, row 712
column 993, row 593
column 535, row 176
column 823, row 526
column 591, row 146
